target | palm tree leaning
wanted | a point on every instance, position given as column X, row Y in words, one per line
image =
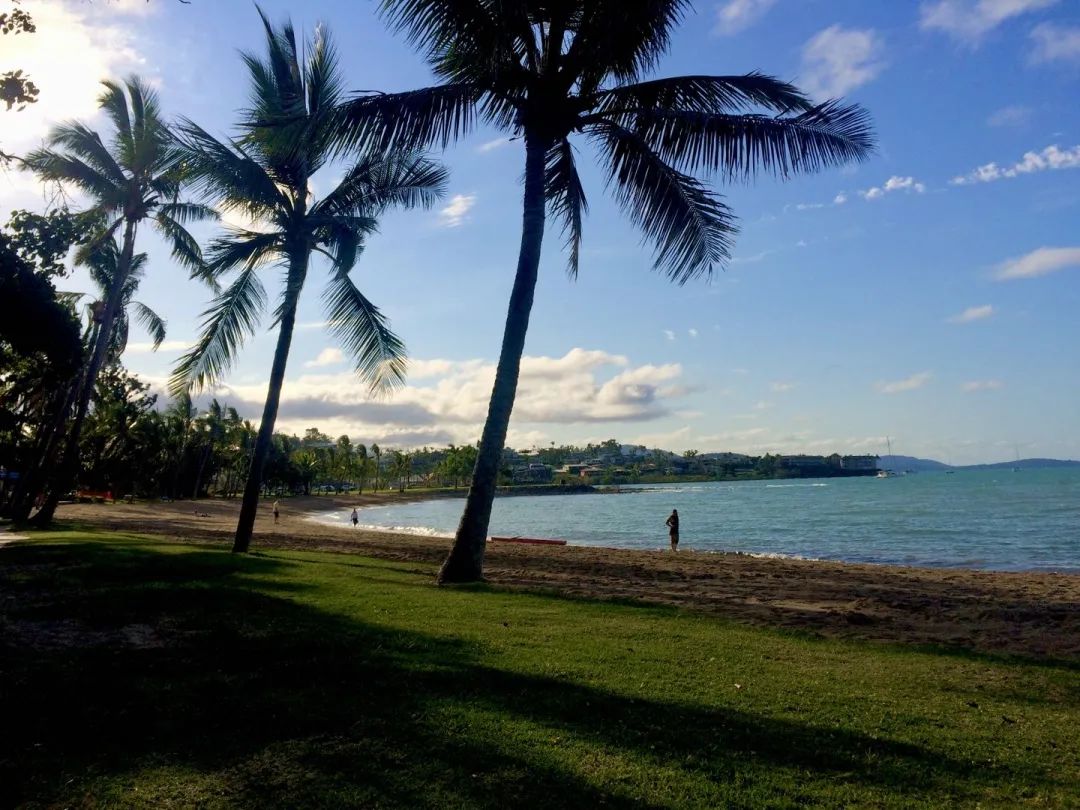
column 546, row 71
column 288, row 133
column 135, row 179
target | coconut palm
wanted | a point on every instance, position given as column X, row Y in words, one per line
column 547, row 72
column 135, row 179
column 103, row 263
column 286, row 136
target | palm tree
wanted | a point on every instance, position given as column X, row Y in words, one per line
column 544, row 71
column 135, row 179
column 103, row 262
column 288, row 134
column 377, row 453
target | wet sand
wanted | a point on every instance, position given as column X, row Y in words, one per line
column 1030, row 613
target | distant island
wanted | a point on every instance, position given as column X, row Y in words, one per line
column 913, row 464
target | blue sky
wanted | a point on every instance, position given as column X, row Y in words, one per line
column 929, row 295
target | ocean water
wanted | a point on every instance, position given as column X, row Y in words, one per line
column 998, row 520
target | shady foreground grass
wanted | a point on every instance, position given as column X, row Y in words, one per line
column 139, row 673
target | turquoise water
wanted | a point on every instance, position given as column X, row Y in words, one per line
column 997, row 520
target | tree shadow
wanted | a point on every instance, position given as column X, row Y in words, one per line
column 286, row 705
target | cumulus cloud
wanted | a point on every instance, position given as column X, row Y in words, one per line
column 893, row 184
column 738, row 15
column 912, row 383
column 1041, row 262
column 692, row 332
column 457, row 211
column 1055, row 43
column 669, row 334
column 838, row 60
column 327, row 357
column 1052, row 158
column 1013, row 116
column 840, row 199
column 973, row 314
column 447, row 400
column 982, row 385
column 969, row 21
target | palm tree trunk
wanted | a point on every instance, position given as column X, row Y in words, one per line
column 69, row 461
column 297, row 272
column 466, row 560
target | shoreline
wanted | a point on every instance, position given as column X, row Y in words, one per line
column 1032, row 614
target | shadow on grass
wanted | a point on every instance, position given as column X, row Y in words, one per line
column 280, row 704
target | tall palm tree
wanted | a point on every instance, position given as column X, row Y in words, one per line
column 288, row 134
column 135, row 179
column 547, row 70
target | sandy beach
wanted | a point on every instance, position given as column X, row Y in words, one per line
column 1027, row 613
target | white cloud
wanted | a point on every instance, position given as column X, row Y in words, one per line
column 327, row 357
column 491, row 146
column 894, row 183
column 840, row 199
column 911, row 383
column 970, row 20
column 983, row 385
column 1013, row 116
column 447, row 400
column 140, row 347
column 783, row 387
column 1052, row 158
column 1039, row 262
column 973, row 314
column 838, row 60
column 738, row 15
column 457, row 211
column 75, row 47
column 763, row 405
column 669, row 334
column 1054, row 43
column 692, row 332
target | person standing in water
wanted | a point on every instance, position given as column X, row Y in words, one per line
column 355, row 517
column 673, row 529
column 277, row 512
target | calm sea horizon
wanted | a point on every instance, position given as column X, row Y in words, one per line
column 986, row 519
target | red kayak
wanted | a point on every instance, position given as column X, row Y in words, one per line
column 536, row 541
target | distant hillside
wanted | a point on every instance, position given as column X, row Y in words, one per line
column 902, row 463
column 1024, row 464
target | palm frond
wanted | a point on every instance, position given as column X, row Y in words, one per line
column 82, row 142
column 378, row 354
column 59, row 168
column 185, row 212
column 417, row 119
column 690, row 227
column 240, row 248
column 150, row 321
column 233, row 316
column 226, row 175
column 622, row 38
column 341, row 239
column 566, row 199
column 703, row 94
column 378, row 181
column 185, row 248
column 114, row 103
column 831, row 134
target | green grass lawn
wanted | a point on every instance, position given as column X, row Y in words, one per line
column 176, row 675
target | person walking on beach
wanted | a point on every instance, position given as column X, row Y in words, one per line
column 355, row 518
column 277, row 512
column 673, row 529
